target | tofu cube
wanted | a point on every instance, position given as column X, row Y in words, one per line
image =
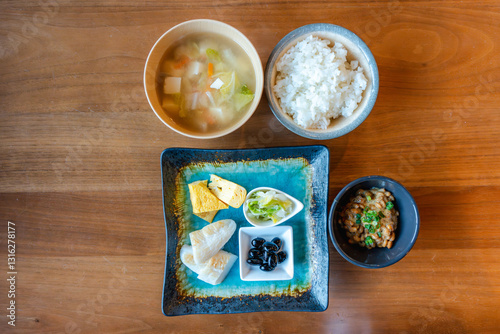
column 216, row 112
column 172, row 85
column 193, row 69
column 217, row 84
column 170, row 106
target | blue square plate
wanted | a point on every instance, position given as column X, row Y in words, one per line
column 301, row 172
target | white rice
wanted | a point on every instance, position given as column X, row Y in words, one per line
column 315, row 83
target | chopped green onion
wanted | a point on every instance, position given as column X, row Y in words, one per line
column 358, row 221
column 370, row 228
column 379, row 234
column 368, row 240
column 368, row 197
column 381, row 215
column 371, row 215
column 389, row 205
column 358, row 216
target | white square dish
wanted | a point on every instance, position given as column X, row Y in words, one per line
column 283, row 271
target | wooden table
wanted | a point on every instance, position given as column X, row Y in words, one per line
column 80, row 171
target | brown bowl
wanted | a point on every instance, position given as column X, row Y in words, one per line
column 171, row 36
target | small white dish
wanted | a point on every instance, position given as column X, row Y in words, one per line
column 283, row 271
column 297, row 207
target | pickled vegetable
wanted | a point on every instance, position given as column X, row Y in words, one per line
column 269, row 205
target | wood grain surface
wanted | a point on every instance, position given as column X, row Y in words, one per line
column 80, row 164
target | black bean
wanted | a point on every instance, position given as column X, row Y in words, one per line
column 281, row 256
column 270, row 246
column 265, row 267
column 254, row 261
column 258, row 242
column 255, row 252
column 277, row 242
column 272, row 260
column 264, row 256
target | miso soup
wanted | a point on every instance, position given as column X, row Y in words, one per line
column 206, row 82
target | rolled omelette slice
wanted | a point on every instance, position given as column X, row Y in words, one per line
column 202, row 199
column 209, row 240
column 227, row 191
column 207, row 216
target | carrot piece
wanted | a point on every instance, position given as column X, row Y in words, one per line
column 210, row 119
column 207, row 117
column 210, row 69
column 183, row 61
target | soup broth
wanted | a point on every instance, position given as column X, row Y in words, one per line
column 206, row 82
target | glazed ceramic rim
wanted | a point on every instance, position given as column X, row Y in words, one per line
column 336, row 201
column 257, row 67
column 284, row 44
